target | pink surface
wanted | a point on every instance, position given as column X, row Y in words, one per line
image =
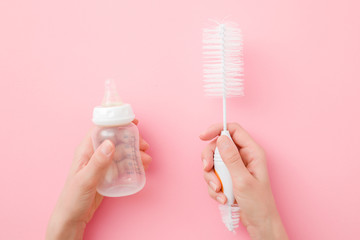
column 302, row 104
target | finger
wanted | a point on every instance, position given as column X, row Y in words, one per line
column 143, row 145
column 212, row 180
column 218, row 196
column 238, row 134
column 255, row 161
column 146, row 159
column 212, row 132
column 207, row 156
column 83, row 153
column 99, row 163
column 232, row 159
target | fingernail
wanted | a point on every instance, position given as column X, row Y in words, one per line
column 213, row 186
column 107, row 147
column 221, row 199
column 204, row 163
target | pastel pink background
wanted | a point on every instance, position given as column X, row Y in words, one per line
column 302, row 105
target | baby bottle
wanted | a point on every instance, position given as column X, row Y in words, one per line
column 113, row 120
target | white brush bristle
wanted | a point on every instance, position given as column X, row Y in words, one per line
column 223, row 64
column 230, row 215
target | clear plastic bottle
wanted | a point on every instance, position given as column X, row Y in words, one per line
column 113, row 121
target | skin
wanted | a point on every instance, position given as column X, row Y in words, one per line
column 79, row 199
column 246, row 162
column 244, row 158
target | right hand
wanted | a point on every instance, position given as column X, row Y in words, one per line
column 79, row 198
column 246, row 162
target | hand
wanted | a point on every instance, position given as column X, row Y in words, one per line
column 246, row 162
column 79, row 198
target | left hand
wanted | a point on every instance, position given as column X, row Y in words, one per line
column 79, row 198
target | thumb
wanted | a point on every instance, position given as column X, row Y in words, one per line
column 231, row 157
column 99, row 162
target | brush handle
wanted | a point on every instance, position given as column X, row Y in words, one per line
column 223, row 174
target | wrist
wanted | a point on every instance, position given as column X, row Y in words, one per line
column 59, row 228
column 270, row 229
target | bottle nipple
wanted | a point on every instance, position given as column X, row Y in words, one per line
column 111, row 97
column 113, row 111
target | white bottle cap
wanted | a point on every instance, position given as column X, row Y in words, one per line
column 112, row 112
column 111, row 116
